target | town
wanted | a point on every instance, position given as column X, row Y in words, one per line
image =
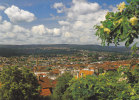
column 48, row 68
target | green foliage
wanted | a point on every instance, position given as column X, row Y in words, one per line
column 134, row 48
column 122, row 84
column 48, row 68
column 82, row 88
column 61, row 86
column 121, row 26
column 18, row 83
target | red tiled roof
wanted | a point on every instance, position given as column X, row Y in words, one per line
column 45, row 92
column 45, row 82
column 46, row 85
column 41, row 74
column 54, row 83
column 55, row 71
column 91, row 68
column 86, row 72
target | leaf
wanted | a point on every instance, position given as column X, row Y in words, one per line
column 125, row 25
column 128, row 1
column 135, row 35
column 127, row 43
column 134, row 48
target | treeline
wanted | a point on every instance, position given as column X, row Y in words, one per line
column 19, row 50
column 8, row 52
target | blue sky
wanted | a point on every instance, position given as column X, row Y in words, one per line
column 52, row 21
column 44, row 8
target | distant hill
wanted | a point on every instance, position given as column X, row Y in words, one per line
column 18, row 50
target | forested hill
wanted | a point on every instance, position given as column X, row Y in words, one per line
column 18, row 50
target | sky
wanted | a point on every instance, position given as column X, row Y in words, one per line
column 52, row 21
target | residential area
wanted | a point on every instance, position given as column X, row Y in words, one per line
column 81, row 64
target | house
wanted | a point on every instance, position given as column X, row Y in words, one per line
column 84, row 72
column 43, row 74
column 46, row 86
column 54, row 74
column 1, row 67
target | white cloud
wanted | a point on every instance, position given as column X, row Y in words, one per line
column 40, row 29
column 76, row 27
column 19, row 29
column 79, row 22
column 56, row 32
column 5, row 26
column 0, row 18
column 53, row 32
column 2, row 7
column 18, row 15
column 49, row 31
column 63, row 22
column 114, row 9
column 60, row 7
column 67, row 34
column 12, row 34
column 83, row 7
column 9, row 35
